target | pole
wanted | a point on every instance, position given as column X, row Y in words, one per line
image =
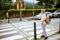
column 20, row 11
column 33, row 8
column 34, row 30
column 59, row 26
column 8, row 20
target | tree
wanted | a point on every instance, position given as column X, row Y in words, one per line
column 47, row 2
column 0, row 4
column 6, row 4
column 57, row 5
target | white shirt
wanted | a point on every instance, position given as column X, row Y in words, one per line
column 43, row 17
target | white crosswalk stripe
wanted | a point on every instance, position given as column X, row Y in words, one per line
column 7, row 32
column 13, row 37
column 7, row 29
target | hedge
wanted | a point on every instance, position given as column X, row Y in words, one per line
column 25, row 12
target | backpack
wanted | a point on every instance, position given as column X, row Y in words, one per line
column 47, row 20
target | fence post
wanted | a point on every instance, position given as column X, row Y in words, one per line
column 34, row 30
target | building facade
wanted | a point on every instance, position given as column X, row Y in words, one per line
column 19, row 4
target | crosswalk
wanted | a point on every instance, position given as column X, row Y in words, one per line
column 10, row 31
column 28, row 27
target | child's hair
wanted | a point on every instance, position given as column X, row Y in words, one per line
column 43, row 10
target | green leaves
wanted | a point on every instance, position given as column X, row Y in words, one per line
column 6, row 4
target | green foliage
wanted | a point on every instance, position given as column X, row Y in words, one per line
column 6, row 4
column 2, row 14
column 58, row 1
column 25, row 12
column 45, row 1
column 48, row 3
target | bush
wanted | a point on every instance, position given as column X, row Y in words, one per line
column 3, row 14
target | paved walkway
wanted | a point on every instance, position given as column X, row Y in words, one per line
column 14, row 20
column 52, row 37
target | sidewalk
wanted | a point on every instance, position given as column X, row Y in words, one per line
column 52, row 37
column 14, row 20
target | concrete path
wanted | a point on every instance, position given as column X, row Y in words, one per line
column 52, row 37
